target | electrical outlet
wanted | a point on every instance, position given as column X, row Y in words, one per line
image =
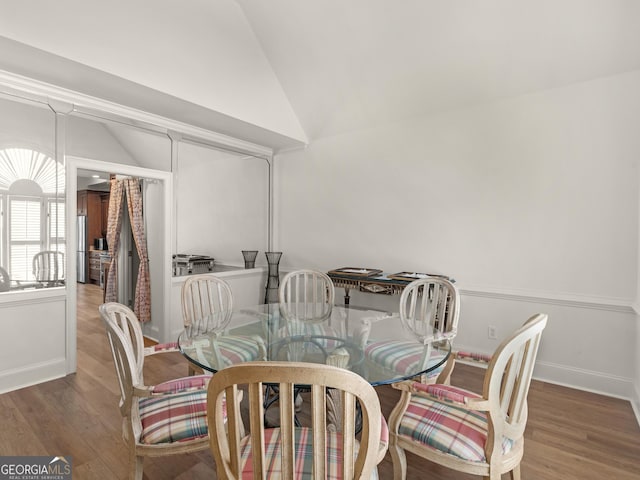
column 491, row 332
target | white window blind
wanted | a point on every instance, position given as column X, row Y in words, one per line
column 25, row 228
column 56, row 225
column 3, row 230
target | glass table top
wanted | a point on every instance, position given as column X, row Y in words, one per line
column 372, row 343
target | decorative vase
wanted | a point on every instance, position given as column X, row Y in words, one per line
column 249, row 258
column 273, row 277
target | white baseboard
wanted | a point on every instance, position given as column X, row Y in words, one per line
column 152, row 332
column 635, row 402
column 587, row 380
column 32, row 375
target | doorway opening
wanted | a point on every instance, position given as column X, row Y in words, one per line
column 158, row 213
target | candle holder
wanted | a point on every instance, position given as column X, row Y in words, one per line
column 273, row 277
column 249, row 258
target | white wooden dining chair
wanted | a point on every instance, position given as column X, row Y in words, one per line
column 480, row 434
column 288, row 452
column 207, row 306
column 429, row 309
column 5, row 280
column 164, row 419
column 306, row 300
column 206, row 297
column 306, row 295
column 48, row 268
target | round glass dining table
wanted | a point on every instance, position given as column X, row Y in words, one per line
column 374, row 344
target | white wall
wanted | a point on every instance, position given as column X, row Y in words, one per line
column 222, row 204
column 27, row 125
column 92, row 139
column 156, row 219
column 531, row 203
column 34, row 331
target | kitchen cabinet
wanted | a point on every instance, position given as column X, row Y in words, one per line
column 104, row 209
column 94, row 266
column 82, row 202
column 94, row 217
column 95, row 206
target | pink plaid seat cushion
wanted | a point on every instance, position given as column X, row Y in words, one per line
column 401, row 357
column 238, row 349
column 173, row 418
column 450, row 429
column 184, row 384
column 303, row 454
column 478, row 357
column 165, row 347
column 320, row 335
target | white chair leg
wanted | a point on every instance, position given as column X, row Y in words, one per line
column 399, row 461
column 135, row 466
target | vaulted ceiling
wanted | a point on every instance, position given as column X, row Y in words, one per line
column 353, row 64
column 285, row 72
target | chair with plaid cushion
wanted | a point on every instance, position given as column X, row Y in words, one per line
column 289, row 452
column 429, row 307
column 306, row 295
column 207, row 305
column 306, row 301
column 480, row 434
column 164, row 419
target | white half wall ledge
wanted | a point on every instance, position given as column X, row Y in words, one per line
column 30, row 297
column 34, row 374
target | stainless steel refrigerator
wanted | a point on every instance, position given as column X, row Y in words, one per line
column 81, row 227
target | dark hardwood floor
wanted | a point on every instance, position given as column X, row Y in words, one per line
column 570, row 434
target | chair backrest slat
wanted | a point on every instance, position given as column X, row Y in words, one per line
column 319, row 419
column 287, row 428
column 256, row 425
column 234, row 423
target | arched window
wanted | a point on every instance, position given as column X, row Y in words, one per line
column 32, row 206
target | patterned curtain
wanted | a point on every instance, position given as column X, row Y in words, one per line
column 142, row 305
column 114, row 225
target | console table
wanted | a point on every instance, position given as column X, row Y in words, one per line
column 375, row 281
